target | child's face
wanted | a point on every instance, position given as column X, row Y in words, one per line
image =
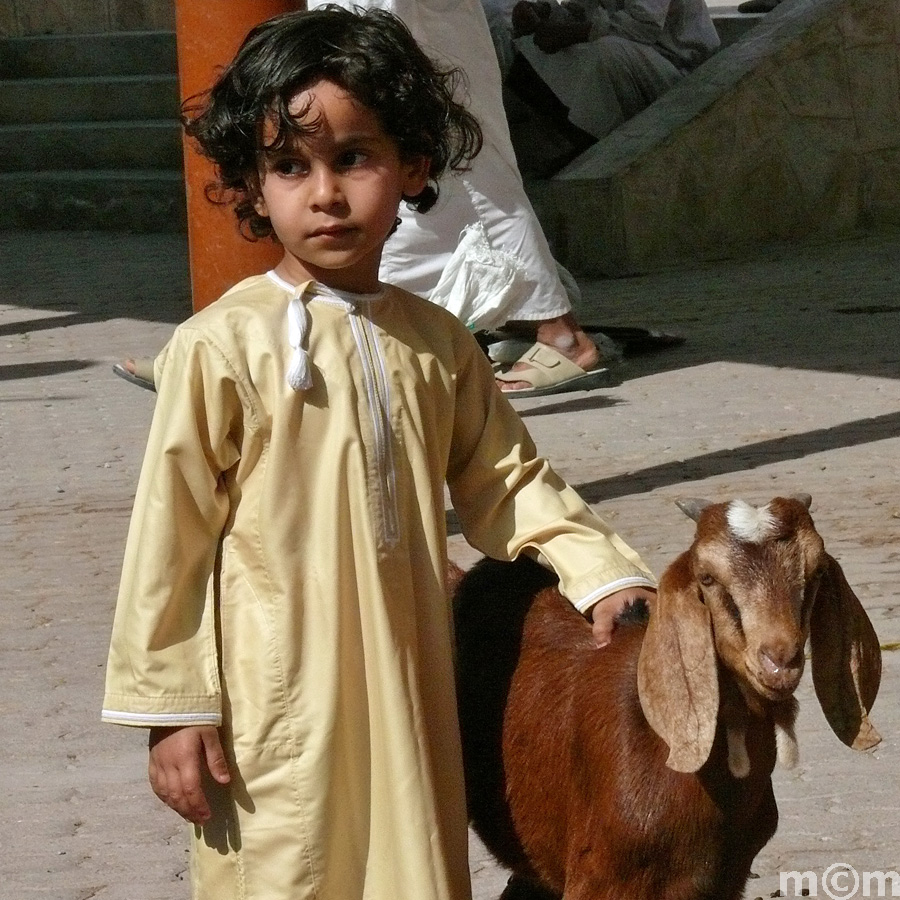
column 332, row 196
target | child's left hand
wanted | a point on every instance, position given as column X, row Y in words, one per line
column 178, row 759
column 604, row 613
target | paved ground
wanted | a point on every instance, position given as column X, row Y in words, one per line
column 788, row 381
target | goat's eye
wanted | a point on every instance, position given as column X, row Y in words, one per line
column 706, row 580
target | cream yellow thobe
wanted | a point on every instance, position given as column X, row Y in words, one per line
column 284, row 579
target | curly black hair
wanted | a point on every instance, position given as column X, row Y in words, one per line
column 370, row 54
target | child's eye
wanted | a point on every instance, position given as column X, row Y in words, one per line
column 350, row 158
column 288, row 166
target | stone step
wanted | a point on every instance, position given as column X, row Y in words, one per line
column 88, row 55
column 88, row 99
column 91, row 145
column 89, row 135
column 103, row 200
column 104, row 108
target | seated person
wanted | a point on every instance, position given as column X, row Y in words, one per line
column 606, row 60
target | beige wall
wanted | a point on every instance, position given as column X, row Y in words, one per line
column 22, row 17
column 792, row 133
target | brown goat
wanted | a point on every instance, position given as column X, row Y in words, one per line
column 643, row 770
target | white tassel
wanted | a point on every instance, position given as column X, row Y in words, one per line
column 787, row 751
column 299, row 375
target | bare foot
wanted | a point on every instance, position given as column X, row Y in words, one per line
column 139, row 371
column 566, row 336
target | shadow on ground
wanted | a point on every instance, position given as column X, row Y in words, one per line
column 40, row 370
column 731, row 460
column 93, row 276
column 743, row 458
column 830, row 307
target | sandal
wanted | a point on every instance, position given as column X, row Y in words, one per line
column 549, row 372
column 142, row 375
column 507, row 351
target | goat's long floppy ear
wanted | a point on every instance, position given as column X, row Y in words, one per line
column 677, row 671
column 846, row 660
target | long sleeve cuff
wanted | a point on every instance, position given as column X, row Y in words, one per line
column 159, row 720
column 161, row 711
column 585, row 603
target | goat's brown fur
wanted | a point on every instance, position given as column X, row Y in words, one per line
column 568, row 783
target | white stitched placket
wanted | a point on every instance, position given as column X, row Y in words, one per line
column 379, row 407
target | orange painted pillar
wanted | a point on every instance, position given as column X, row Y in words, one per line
column 208, row 34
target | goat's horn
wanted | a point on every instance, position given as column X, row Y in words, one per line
column 802, row 497
column 693, row 507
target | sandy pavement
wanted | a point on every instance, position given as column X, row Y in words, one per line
column 789, row 380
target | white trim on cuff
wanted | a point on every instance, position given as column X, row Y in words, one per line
column 117, row 717
column 622, row 584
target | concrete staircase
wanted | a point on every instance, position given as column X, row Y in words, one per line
column 89, row 135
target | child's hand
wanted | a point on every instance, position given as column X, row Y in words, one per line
column 177, row 758
column 604, row 613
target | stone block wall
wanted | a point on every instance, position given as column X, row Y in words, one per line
column 28, row 17
column 793, row 132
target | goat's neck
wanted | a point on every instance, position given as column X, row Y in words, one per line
column 741, row 693
column 739, row 706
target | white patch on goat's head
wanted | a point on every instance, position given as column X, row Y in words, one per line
column 747, row 523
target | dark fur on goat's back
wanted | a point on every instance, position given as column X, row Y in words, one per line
column 524, row 651
column 488, row 638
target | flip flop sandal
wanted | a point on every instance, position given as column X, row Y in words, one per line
column 549, row 372
column 142, row 375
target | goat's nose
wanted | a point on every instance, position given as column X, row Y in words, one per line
column 781, row 665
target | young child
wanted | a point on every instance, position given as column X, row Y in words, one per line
column 283, row 627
